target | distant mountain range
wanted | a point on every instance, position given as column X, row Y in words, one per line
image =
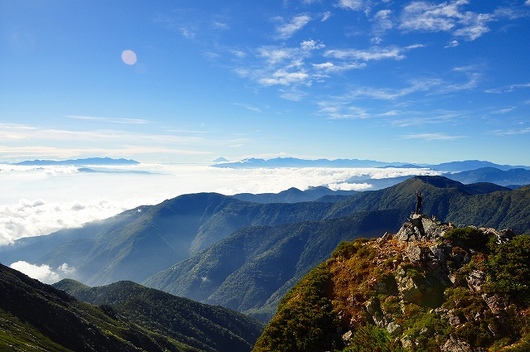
column 453, row 166
column 77, row 162
column 246, row 255
column 468, row 171
column 295, row 162
column 512, row 178
column 122, row 317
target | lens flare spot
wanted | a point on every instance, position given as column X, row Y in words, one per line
column 128, row 57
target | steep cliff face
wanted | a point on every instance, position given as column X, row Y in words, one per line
column 429, row 287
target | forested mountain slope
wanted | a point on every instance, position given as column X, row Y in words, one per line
column 201, row 326
column 38, row 317
column 251, row 269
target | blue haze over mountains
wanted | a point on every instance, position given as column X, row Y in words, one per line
column 245, row 251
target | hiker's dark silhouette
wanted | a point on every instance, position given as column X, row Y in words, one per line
column 419, row 203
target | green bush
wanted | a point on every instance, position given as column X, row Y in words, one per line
column 347, row 249
column 370, row 338
column 509, row 269
column 305, row 320
column 469, row 238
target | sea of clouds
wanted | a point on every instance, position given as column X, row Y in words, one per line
column 41, row 200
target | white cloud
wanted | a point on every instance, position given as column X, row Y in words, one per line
column 275, row 55
column 382, row 22
column 66, row 269
column 452, row 44
column 448, row 16
column 355, row 5
column 424, row 16
column 37, row 217
column 40, row 272
column 326, row 15
column 330, row 67
column 474, row 26
column 282, row 77
column 311, row 45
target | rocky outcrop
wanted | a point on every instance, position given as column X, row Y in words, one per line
column 429, row 266
column 427, row 287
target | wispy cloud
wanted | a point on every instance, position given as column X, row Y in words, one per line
column 111, row 120
column 20, row 142
column 431, row 136
column 411, row 118
column 373, row 54
column 508, row 89
column 468, row 78
column 382, row 22
column 284, row 78
column 35, row 133
column 354, row 5
column 416, row 85
column 286, row 29
column 248, row 107
column 512, row 132
column 294, row 66
column 283, row 66
column 336, row 110
column 452, row 44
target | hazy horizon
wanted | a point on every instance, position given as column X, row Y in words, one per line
column 42, row 199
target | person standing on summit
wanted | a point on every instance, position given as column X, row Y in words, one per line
column 419, row 202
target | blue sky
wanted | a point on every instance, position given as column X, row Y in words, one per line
column 190, row 81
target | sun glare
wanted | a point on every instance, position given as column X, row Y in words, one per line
column 129, row 57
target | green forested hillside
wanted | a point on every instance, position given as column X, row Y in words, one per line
column 204, row 327
column 250, row 270
column 38, row 317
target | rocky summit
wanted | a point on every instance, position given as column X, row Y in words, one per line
column 431, row 286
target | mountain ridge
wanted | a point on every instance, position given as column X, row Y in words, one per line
column 206, row 226
column 375, row 211
column 84, row 161
column 201, row 326
column 36, row 316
